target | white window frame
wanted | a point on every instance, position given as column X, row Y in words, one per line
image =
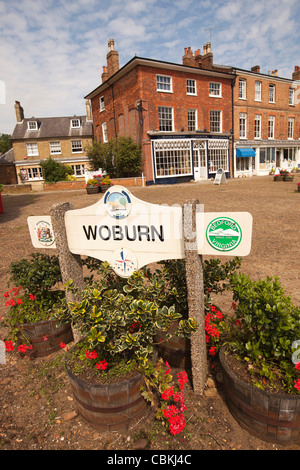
column 291, row 96
column 215, row 89
column 172, row 158
column 242, row 89
column 271, row 127
column 191, row 88
column 257, row 90
column 192, row 118
column 76, row 146
column 257, row 127
column 32, row 149
column 102, row 104
column 55, row 147
column 166, row 123
column 217, row 155
column 215, row 122
column 75, row 123
column 34, row 173
column 32, row 126
column 104, row 132
column 243, row 125
column 164, row 83
column 291, row 126
column 271, row 93
column 78, row 169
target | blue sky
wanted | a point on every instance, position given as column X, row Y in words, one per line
column 52, row 52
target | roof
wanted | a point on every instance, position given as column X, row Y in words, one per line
column 52, row 127
column 7, row 158
column 135, row 61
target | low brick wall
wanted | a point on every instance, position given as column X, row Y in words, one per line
column 134, row 181
column 16, row 188
column 64, row 185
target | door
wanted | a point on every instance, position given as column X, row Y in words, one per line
column 200, row 170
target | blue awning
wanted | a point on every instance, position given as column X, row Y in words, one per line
column 245, row 153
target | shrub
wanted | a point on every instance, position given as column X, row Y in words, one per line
column 54, row 171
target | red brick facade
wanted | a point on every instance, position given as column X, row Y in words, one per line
column 191, row 119
column 127, row 104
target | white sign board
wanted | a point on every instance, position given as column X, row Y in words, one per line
column 220, row 177
column 130, row 233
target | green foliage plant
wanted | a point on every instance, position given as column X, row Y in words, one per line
column 262, row 331
column 34, row 296
column 120, row 157
column 54, row 171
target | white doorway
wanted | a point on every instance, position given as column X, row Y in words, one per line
column 200, row 165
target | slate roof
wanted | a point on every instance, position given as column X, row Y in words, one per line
column 52, row 127
column 7, row 158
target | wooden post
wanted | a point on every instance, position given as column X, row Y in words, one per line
column 70, row 264
column 195, row 290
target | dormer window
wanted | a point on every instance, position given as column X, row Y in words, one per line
column 75, row 123
column 32, row 125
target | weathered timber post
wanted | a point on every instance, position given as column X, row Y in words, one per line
column 195, row 290
column 70, row 264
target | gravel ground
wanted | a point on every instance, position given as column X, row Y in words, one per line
column 37, row 407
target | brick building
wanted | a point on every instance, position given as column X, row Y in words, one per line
column 266, row 122
column 180, row 114
column 62, row 138
column 195, row 118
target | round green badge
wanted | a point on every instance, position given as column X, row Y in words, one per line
column 223, row 234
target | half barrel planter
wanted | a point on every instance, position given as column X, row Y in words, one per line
column 176, row 351
column 111, row 407
column 45, row 336
column 269, row 416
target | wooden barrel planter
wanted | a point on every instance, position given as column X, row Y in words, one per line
column 92, row 189
column 176, row 351
column 111, row 407
column 45, row 336
column 269, row 416
column 278, row 178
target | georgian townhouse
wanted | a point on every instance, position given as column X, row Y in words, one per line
column 266, row 122
column 62, row 138
column 180, row 114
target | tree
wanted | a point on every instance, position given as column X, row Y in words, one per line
column 120, row 157
column 54, row 171
column 5, row 143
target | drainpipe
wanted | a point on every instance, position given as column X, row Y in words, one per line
column 232, row 101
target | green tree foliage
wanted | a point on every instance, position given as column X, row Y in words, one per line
column 5, row 143
column 120, row 157
column 54, row 171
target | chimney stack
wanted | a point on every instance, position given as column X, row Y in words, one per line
column 19, row 112
column 112, row 59
column 104, row 75
column 296, row 73
column 88, row 110
column 256, row 69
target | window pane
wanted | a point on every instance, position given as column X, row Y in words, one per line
column 172, row 157
column 165, row 117
column 191, row 119
column 76, row 146
column 215, row 121
column 215, row 89
column 163, row 83
column 191, row 87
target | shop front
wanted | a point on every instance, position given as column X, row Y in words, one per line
column 264, row 157
column 178, row 159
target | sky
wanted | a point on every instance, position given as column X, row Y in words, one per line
column 52, row 52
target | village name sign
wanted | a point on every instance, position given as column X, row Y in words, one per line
column 130, row 233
